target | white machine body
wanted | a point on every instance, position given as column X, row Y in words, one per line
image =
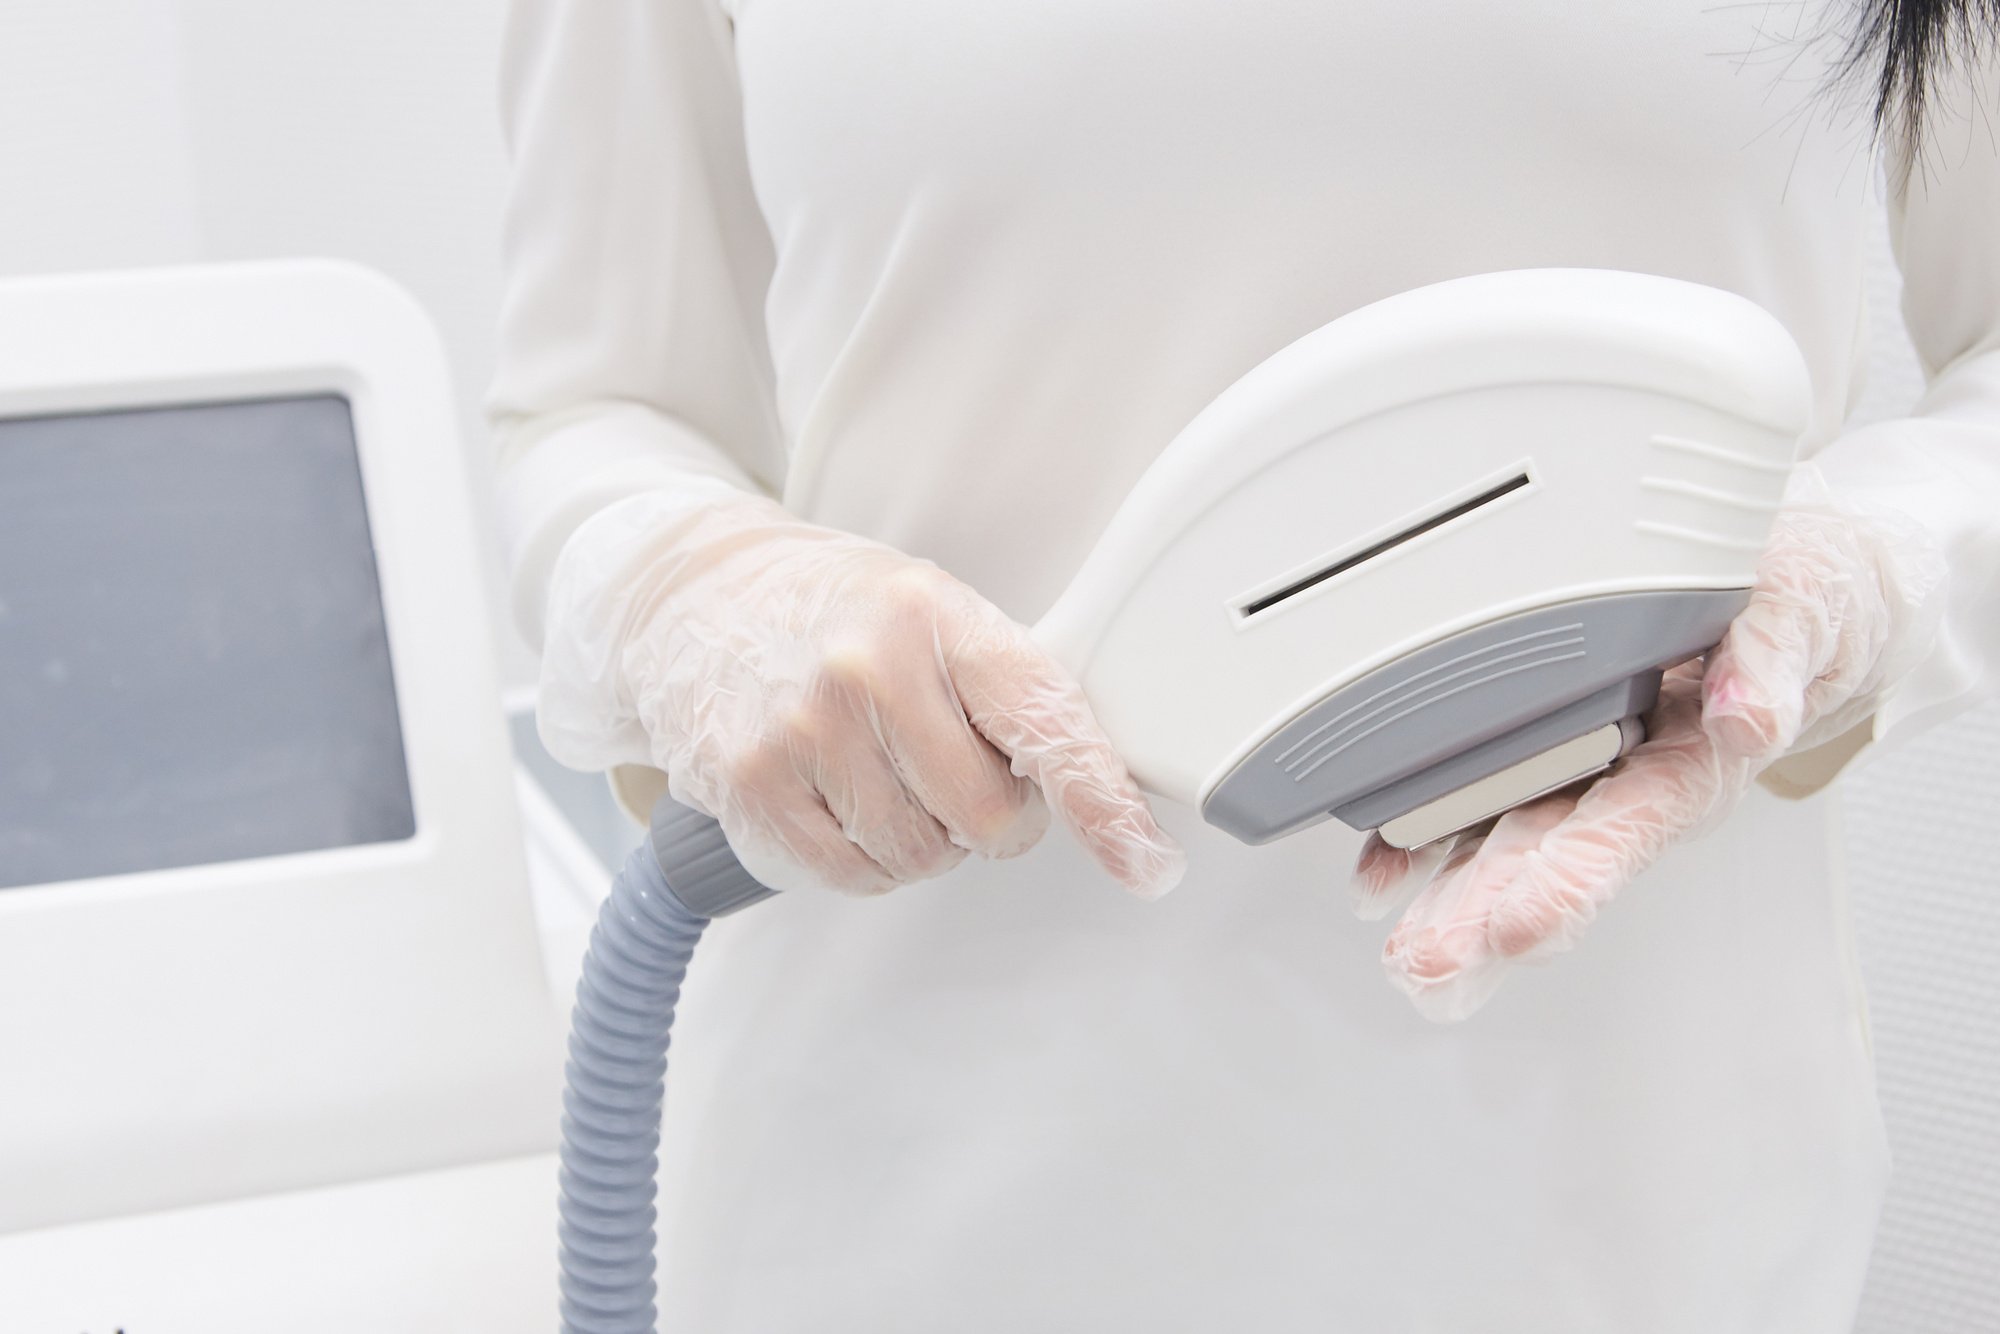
column 179, row 1032
column 1370, row 577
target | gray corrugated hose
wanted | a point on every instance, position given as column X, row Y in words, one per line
column 616, row 1076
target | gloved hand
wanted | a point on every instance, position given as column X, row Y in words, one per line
column 1845, row 602
column 853, row 717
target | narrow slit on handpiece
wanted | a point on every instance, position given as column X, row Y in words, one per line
column 1417, row 529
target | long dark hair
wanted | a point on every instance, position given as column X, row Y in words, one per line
column 1906, row 49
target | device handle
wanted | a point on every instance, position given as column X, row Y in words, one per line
column 697, row 862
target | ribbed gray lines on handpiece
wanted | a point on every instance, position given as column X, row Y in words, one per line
column 1481, row 661
column 1621, row 701
column 1549, row 661
column 1464, row 707
column 1287, row 753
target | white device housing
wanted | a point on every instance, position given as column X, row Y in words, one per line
column 1433, row 462
column 212, row 1032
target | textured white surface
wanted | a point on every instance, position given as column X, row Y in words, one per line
column 1923, row 827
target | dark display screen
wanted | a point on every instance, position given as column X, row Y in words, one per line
column 193, row 662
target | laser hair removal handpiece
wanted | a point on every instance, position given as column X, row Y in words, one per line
column 1423, row 564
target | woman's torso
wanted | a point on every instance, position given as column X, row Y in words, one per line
column 1017, row 248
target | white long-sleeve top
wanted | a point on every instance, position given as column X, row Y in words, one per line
column 950, row 276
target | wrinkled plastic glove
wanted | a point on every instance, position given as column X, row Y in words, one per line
column 1845, row 603
column 853, row 717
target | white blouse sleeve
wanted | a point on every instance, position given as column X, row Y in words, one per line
column 1941, row 463
column 632, row 353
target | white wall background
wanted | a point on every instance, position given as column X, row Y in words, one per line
column 154, row 131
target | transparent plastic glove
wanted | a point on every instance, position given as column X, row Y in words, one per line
column 1845, row 603
column 854, row 717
